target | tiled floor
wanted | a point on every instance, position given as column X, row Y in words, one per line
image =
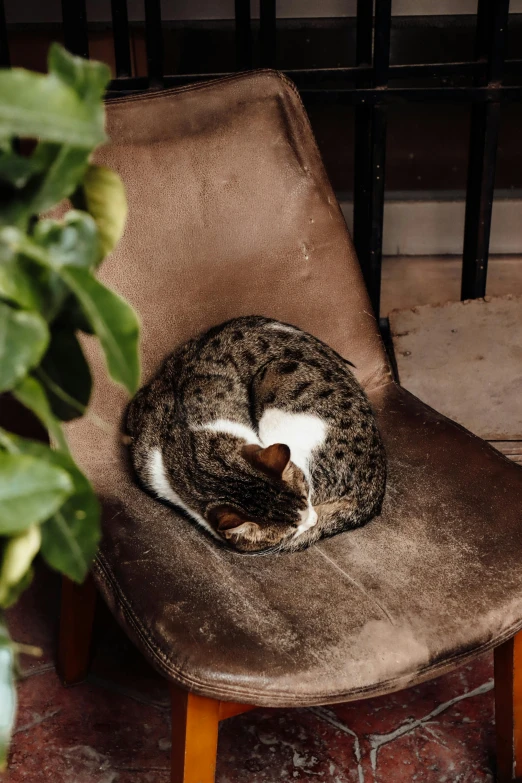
column 115, row 728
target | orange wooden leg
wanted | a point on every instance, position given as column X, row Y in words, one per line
column 195, row 724
column 508, row 709
column 76, row 624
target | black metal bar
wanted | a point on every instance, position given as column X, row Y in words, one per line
column 364, row 31
column 154, row 42
column 492, row 19
column 395, row 95
column 451, row 71
column 268, row 33
column 381, row 47
column 381, row 62
column 308, row 80
column 353, row 96
column 243, row 35
column 5, row 60
column 485, row 122
column 120, row 35
column 74, row 18
column 481, row 34
column 499, row 25
column 362, row 138
column 378, row 145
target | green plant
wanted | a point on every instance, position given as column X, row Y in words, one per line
column 49, row 293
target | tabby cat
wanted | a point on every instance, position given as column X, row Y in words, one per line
column 261, row 434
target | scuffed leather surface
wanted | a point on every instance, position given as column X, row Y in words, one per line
column 231, row 213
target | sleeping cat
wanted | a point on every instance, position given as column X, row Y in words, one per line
column 261, row 434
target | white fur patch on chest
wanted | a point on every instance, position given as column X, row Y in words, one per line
column 302, row 433
column 229, row 427
column 157, row 481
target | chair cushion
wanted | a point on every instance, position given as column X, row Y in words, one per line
column 431, row 582
column 230, row 213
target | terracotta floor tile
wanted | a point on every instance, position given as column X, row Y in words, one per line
column 34, row 619
column 86, row 734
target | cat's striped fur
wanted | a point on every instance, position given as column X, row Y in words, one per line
column 203, row 433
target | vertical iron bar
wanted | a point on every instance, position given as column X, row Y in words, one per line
column 381, row 61
column 378, row 151
column 74, row 19
column 364, row 30
column 492, row 20
column 120, row 35
column 362, row 138
column 243, row 35
column 5, row 60
column 381, row 49
column 485, row 121
column 499, row 25
column 267, row 32
column 482, row 29
column 154, row 42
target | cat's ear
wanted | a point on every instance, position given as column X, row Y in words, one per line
column 230, row 522
column 272, row 461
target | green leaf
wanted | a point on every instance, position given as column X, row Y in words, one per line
column 17, row 169
column 24, row 338
column 72, row 241
column 7, row 692
column 31, row 490
column 105, row 200
column 31, row 394
column 15, row 569
column 64, row 168
column 114, row 322
column 70, row 538
column 52, row 290
column 88, row 78
column 64, row 380
column 45, row 107
column 17, row 281
column 72, row 317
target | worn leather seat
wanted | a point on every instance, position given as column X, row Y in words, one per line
column 231, row 213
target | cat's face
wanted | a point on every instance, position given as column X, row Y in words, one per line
column 274, row 504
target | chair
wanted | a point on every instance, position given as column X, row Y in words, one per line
column 231, row 213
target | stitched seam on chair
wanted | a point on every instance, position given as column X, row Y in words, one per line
column 357, row 585
column 148, row 96
column 164, row 662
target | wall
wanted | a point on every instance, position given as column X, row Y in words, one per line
column 99, row 10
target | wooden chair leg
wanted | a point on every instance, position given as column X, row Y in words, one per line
column 508, row 709
column 195, row 724
column 78, row 607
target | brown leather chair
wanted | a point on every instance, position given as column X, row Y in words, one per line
column 231, row 213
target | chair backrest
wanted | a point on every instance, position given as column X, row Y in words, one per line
column 230, row 213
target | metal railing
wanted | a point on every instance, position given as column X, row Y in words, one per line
column 369, row 87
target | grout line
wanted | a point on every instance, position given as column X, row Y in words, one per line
column 378, row 740
column 325, row 715
column 37, row 720
column 37, row 671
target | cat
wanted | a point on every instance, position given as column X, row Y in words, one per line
column 261, row 434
